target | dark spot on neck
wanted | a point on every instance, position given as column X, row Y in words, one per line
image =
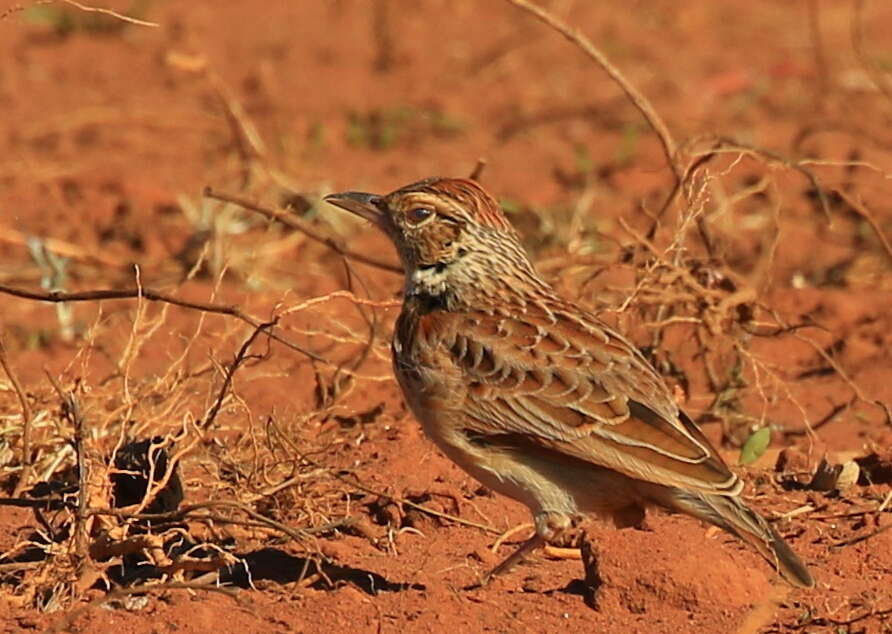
column 428, row 302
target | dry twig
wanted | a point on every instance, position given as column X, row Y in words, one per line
column 477, row 172
column 635, row 96
column 27, row 417
column 154, row 296
column 230, row 372
column 290, row 221
column 108, row 12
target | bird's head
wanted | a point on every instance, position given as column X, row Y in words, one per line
column 449, row 232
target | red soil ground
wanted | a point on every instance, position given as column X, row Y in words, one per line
column 110, row 132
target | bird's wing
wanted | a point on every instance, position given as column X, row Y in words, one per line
column 560, row 379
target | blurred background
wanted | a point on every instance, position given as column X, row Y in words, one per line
column 762, row 291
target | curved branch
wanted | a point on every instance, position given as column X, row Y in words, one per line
column 156, row 296
column 635, row 96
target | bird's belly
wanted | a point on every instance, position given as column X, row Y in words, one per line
column 505, row 473
column 536, row 480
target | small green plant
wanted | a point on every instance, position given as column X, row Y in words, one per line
column 509, row 205
column 583, row 159
column 628, row 145
column 755, row 445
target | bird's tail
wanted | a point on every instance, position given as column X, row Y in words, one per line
column 732, row 515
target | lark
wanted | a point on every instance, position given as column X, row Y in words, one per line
column 533, row 395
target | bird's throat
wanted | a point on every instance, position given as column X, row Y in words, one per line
column 429, row 287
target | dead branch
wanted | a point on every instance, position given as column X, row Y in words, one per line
column 45, row 503
column 87, row 9
column 73, row 413
column 723, row 145
column 108, row 12
column 26, row 422
column 230, row 372
column 188, row 512
column 155, row 296
column 292, row 222
column 87, row 573
column 248, row 141
column 477, row 172
column 635, row 96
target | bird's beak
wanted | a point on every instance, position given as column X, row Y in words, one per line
column 364, row 205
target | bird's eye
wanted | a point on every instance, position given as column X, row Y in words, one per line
column 417, row 215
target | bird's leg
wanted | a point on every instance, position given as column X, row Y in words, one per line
column 549, row 527
column 534, row 542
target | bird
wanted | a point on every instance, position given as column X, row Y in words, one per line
column 533, row 395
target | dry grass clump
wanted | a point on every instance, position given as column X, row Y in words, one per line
column 132, row 481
